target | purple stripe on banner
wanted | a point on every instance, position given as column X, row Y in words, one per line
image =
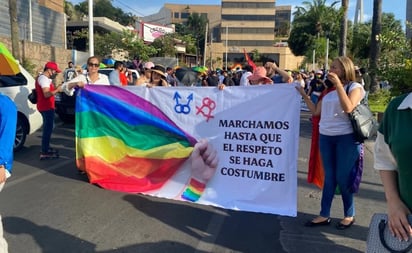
column 134, row 100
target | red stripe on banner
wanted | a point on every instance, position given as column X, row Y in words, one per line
column 135, row 175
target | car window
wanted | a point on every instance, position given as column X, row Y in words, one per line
column 14, row 80
column 105, row 71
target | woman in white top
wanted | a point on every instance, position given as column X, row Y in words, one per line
column 91, row 77
column 338, row 148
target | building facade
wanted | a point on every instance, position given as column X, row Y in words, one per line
column 236, row 26
column 41, row 21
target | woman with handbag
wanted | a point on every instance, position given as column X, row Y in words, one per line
column 338, row 148
column 392, row 159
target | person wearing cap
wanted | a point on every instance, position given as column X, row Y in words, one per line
column 145, row 77
column 91, row 77
column 158, row 76
column 46, row 90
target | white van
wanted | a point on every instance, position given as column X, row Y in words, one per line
column 29, row 119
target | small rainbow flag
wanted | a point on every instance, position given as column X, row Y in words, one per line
column 124, row 142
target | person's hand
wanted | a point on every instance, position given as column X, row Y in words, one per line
column 221, row 86
column 204, row 161
column 301, row 90
column 81, row 84
column 274, row 66
column 2, row 174
column 59, row 88
column 334, row 79
column 398, row 222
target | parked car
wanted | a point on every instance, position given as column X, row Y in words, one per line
column 65, row 105
column 29, row 120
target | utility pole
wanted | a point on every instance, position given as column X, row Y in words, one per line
column 15, row 46
column 91, row 29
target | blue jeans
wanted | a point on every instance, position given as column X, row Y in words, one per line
column 48, row 125
column 314, row 98
column 339, row 154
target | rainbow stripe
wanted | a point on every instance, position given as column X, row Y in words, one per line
column 126, row 143
column 194, row 190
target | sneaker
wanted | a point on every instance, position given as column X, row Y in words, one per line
column 48, row 156
column 54, row 151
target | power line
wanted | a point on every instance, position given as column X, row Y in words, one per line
column 127, row 6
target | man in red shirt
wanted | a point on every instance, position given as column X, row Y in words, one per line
column 46, row 90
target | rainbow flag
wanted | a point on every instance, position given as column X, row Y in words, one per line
column 124, row 142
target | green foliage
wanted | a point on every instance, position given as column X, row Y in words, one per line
column 106, row 43
column 399, row 77
column 101, row 8
column 312, row 22
column 379, row 100
column 29, row 66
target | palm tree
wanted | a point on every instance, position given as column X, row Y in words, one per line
column 343, row 28
column 14, row 29
column 375, row 42
column 196, row 24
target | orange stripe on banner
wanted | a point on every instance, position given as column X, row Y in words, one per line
column 130, row 175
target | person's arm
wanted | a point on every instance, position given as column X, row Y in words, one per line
column 68, row 87
column 286, row 78
column 314, row 108
column 397, row 210
column 386, row 164
column 348, row 102
column 44, row 84
column 2, row 174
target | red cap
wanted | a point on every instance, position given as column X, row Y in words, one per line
column 53, row 66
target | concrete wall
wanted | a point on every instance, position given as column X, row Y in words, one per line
column 47, row 21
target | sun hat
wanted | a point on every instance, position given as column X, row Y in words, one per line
column 148, row 65
column 319, row 72
column 160, row 69
column 53, row 66
column 260, row 74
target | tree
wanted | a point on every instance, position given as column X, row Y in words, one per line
column 343, row 28
column 106, row 43
column 14, row 29
column 375, row 43
column 196, row 25
column 165, row 45
column 312, row 23
column 101, row 8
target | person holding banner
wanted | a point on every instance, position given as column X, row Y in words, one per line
column 338, row 148
column 91, row 77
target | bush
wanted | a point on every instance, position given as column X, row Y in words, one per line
column 379, row 100
column 399, row 78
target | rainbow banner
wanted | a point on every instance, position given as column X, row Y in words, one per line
column 158, row 141
column 126, row 143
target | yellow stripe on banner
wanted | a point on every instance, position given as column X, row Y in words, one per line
column 112, row 149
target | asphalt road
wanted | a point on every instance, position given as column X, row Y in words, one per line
column 48, row 207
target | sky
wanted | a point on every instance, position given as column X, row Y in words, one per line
column 147, row 7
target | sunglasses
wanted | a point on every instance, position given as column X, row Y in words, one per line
column 93, row 65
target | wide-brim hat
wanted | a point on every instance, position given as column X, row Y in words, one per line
column 159, row 69
column 260, row 75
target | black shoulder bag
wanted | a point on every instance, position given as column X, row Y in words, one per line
column 363, row 121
